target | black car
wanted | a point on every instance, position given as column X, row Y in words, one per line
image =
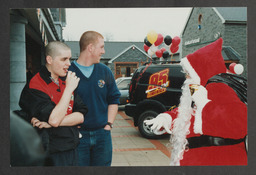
column 153, row 89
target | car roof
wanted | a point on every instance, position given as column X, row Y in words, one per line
column 124, row 78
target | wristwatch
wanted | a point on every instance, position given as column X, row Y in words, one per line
column 110, row 124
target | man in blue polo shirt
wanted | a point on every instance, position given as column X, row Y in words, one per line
column 99, row 92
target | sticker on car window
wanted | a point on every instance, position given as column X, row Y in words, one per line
column 158, row 83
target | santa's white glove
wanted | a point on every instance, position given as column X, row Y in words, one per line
column 200, row 97
column 163, row 121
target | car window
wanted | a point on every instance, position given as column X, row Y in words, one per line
column 118, row 80
column 124, row 84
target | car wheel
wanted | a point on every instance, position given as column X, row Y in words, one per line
column 145, row 129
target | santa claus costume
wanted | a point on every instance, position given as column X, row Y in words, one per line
column 211, row 132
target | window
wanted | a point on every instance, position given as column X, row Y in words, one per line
column 125, row 69
column 200, row 16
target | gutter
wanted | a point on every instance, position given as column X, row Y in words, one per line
column 49, row 18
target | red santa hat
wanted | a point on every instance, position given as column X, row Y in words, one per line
column 205, row 62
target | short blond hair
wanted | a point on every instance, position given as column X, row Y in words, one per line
column 52, row 49
column 87, row 38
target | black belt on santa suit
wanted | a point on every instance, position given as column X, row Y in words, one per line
column 205, row 140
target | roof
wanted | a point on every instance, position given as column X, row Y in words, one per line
column 112, row 48
column 226, row 14
column 232, row 14
column 229, row 54
column 74, row 46
column 110, row 61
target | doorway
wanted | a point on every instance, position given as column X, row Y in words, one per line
column 125, row 69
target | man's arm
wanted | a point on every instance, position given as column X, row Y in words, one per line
column 59, row 112
column 112, row 112
column 72, row 119
column 69, row 120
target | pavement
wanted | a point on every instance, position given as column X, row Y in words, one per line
column 131, row 149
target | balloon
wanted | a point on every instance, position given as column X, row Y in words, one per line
column 174, row 48
column 147, row 42
column 150, row 52
column 163, row 49
column 159, row 40
column 236, row 68
column 239, row 68
column 146, row 47
column 159, row 53
column 231, row 67
column 152, row 36
column 176, row 41
column 153, row 48
column 167, row 40
column 165, row 54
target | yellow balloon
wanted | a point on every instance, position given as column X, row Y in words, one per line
column 152, row 36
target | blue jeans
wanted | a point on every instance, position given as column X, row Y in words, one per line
column 65, row 158
column 95, row 148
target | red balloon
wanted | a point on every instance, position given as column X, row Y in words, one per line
column 174, row 48
column 163, row 49
column 146, row 47
column 159, row 40
column 176, row 41
column 159, row 53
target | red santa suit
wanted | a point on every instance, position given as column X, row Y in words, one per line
column 221, row 118
column 225, row 116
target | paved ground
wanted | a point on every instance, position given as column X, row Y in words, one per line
column 131, row 149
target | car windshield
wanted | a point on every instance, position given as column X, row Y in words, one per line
column 118, row 80
column 124, row 84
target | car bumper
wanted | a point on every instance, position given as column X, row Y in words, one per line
column 130, row 110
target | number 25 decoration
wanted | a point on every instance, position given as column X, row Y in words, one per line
column 158, row 83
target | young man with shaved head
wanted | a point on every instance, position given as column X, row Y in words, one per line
column 50, row 100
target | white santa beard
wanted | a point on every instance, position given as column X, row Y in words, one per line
column 181, row 125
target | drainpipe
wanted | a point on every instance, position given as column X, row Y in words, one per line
column 49, row 18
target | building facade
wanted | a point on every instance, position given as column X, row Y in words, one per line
column 206, row 25
column 30, row 31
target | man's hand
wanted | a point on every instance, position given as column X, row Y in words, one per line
column 107, row 127
column 36, row 123
column 163, row 120
column 72, row 81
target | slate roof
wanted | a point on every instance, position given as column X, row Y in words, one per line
column 232, row 14
column 229, row 54
column 112, row 48
column 226, row 14
column 110, row 61
column 75, row 49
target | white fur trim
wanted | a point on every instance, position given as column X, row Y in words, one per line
column 198, row 117
column 187, row 66
column 198, row 122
